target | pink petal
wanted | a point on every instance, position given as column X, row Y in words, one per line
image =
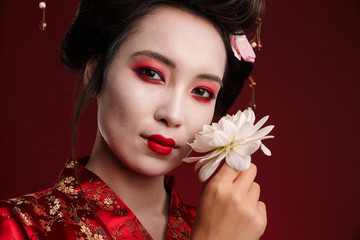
column 242, row 48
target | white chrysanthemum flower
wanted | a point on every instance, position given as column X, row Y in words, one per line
column 234, row 138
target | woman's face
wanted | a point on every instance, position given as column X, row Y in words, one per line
column 160, row 89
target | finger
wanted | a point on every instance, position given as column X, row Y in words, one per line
column 254, row 193
column 246, row 178
column 262, row 210
column 226, row 174
column 261, row 206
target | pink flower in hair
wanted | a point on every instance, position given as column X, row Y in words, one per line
column 242, row 48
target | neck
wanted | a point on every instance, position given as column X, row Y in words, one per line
column 139, row 192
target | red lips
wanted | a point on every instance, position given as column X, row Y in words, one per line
column 161, row 144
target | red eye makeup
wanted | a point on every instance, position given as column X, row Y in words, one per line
column 204, row 93
column 152, row 68
column 149, row 70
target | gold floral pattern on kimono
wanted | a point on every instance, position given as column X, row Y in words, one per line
column 62, row 212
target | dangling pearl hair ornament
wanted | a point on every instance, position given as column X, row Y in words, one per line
column 256, row 41
column 43, row 25
column 252, row 85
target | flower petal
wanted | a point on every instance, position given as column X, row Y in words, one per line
column 228, row 127
column 221, row 138
column 261, row 122
column 266, row 151
column 241, row 118
column 199, row 164
column 191, row 159
column 212, row 154
column 216, row 160
column 201, row 148
column 219, row 153
column 235, row 51
column 208, row 169
column 267, row 137
column 250, row 115
column 242, row 48
column 237, row 161
column 245, row 130
column 247, row 148
column 261, row 133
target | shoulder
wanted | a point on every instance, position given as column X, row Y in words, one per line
column 40, row 215
column 19, row 217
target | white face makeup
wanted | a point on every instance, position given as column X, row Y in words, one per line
column 160, row 89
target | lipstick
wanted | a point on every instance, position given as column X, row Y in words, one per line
column 161, row 144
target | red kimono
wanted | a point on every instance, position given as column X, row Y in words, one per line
column 62, row 212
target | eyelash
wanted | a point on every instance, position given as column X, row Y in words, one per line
column 199, row 94
column 144, row 72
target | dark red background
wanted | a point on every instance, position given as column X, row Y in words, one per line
column 308, row 82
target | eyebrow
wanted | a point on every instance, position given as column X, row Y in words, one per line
column 170, row 63
column 211, row 77
column 157, row 56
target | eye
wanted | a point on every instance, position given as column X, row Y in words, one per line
column 203, row 93
column 149, row 74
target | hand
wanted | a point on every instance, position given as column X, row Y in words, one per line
column 229, row 207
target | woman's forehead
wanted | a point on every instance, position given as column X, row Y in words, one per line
column 181, row 36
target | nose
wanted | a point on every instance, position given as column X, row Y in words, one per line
column 170, row 110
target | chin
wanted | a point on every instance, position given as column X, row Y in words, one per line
column 155, row 169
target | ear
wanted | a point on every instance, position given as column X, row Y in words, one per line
column 89, row 71
column 90, row 68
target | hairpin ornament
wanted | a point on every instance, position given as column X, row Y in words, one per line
column 43, row 25
column 256, row 41
column 242, row 48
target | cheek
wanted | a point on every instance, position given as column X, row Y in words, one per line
column 125, row 96
column 116, row 108
column 197, row 119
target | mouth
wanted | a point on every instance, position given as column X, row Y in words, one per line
column 160, row 144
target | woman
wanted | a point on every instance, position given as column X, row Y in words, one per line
column 158, row 70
